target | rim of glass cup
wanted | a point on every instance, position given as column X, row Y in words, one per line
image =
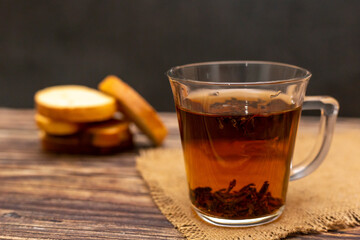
column 307, row 74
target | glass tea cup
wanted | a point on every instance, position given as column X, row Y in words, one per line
column 238, row 122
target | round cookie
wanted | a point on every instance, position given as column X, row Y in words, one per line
column 135, row 107
column 55, row 127
column 101, row 138
column 72, row 103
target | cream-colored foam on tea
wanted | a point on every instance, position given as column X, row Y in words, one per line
column 206, row 99
column 218, row 95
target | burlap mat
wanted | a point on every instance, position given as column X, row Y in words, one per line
column 328, row 199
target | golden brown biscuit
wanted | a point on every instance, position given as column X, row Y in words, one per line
column 56, row 127
column 135, row 107
column 109, row 133
column 105, row 138
column 72, row 103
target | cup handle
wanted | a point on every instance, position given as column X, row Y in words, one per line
column 329, row 109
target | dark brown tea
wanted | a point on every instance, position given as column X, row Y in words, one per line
column 238, row 154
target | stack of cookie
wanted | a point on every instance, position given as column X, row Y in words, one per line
column 78, row 119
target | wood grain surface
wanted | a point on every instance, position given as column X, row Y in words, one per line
column 58, row 196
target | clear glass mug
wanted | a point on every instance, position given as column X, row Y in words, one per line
column 238, row 122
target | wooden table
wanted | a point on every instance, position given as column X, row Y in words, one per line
column 50, row 196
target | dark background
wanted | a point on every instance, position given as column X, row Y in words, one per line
column 44, row 43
